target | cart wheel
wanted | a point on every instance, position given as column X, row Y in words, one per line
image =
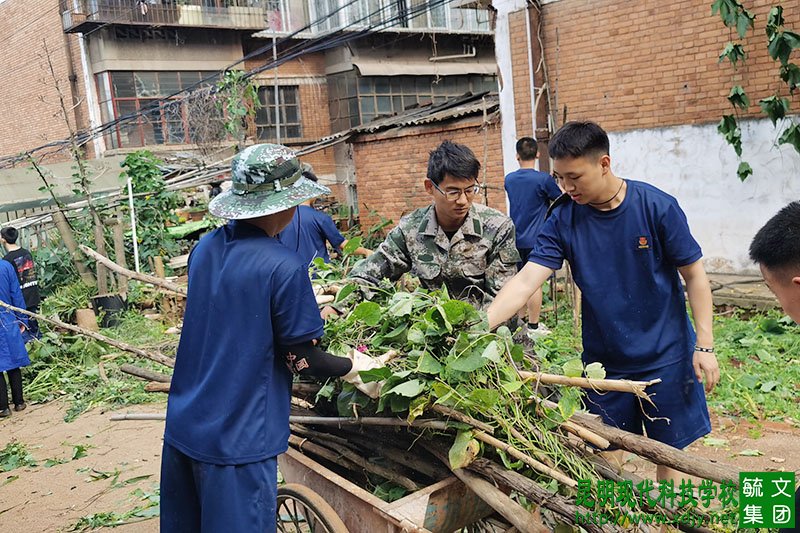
column 301, row 510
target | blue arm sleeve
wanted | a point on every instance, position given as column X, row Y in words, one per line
column 15, row 292
column 548, row 250
column 551, row 189
column 680, row 247
column 330, row 230
column 295, row 315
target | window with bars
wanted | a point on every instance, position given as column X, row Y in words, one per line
column 355, row 100
column 284, row 117
column 163, row 119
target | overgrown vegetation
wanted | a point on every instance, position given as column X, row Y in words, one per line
column 147, row 507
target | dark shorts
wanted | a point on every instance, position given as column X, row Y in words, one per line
column 523, row 257
column 198, row 496
column 679, row 417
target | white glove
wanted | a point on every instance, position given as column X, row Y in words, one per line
column 361, row 362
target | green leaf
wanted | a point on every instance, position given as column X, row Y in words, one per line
column 715, row 442
column 744, row 22
column 470, row 362
column 750, row 453
column 748, row 381
column 401, row 304
column 510, row 465
column 738, row 98
column 770, row 325
column 457, row 312
column 511, row 386
column 345, row 291
column 791, row 135
column 573, row 368
column 349, row 397
column 769, row 386
column 744, row 171
column 9, row 479
column 416, row 335
column 78, row 451
column 409, row 389
column 790, row 73
column 517, row 353
column 368, row 312
column 595, row 371
column 464, row 450
column 351, row 246
column 780, row 47
column 492, row 352
column 569, row 402
column 732, row 52
column 375, row 374
column 486, row 398
column 765, row 357
column 774, row 107
column 417, row 408
column 774, row 20
column 729, row 129
column 428, row 364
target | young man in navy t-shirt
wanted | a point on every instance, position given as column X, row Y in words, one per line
column 530, row 193
column 251, row 320
column 627, row 242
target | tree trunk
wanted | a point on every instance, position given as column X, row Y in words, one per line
column 65, row 231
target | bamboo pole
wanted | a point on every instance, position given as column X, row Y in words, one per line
column 157, row 357
column 146, row 278
column 616, row 385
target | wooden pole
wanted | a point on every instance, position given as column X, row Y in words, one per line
column 143, row 373
column 100, row 243
column 618, row 385
column 157, row 357
column 65, row 231
column 158, row 262
column 152, row 280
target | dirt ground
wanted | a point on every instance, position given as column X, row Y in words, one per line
column 54, row 499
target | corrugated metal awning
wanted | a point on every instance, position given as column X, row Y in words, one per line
column 378, row 66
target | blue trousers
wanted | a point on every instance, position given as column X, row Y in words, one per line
column 199, row 497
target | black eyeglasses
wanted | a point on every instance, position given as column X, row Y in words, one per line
column 454, row 195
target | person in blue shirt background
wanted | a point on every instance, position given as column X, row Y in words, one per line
column 310, row 228
column 13, row 354
column 530, row 193
column 627, row 242
column 251, row 320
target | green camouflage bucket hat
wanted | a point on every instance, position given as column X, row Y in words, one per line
column 266, row 179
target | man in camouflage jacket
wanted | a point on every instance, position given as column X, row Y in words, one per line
column 469, row 248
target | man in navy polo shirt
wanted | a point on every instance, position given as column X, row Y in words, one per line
column 529, row 195
column 627, row 242
column 251, row 320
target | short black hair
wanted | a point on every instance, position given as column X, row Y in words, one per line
column 309, row 174
column 9, row 234
column 776, row 246
column 527, row 149
column 579, row 139
column 454, row 159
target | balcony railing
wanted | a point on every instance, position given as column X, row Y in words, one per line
column 81, row 16
column 281, row 16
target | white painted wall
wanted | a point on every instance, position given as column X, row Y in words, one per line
column 694, row 164
column 502, row 47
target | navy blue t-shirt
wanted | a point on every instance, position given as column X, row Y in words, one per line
column 529, row 195
column 625, row 263
column 307, row 232
column 230, row 392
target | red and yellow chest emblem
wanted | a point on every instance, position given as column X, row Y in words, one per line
column 643, row 243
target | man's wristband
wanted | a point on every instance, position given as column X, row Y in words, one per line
column 704, row 350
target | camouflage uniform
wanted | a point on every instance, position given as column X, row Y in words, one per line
column 474, row 264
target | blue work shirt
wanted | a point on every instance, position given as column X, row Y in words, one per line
column 13, row 353
column 625, row 262
column 230, row 392
column 529, row 195
column 307, row 232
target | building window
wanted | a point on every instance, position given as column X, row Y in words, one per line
column 267, row 125
column 354, row 100
column 162, row 119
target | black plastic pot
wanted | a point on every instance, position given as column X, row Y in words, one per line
column 108, row 307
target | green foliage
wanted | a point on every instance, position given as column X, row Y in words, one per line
column 738, row 98
column 729, row 129
column 15, row 455
column 744, row 171
column 67, row 299
column 153, row 204
column 68, row 366
column 774, row 107
column 238, row 99
column 147, row 507
column 791, row 136
column 733, row 52
column 734, row 15
column 54, row 267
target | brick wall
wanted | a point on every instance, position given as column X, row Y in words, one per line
column 391, row 166
column 645, row 63
column 518, row 38
column 29, row 98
